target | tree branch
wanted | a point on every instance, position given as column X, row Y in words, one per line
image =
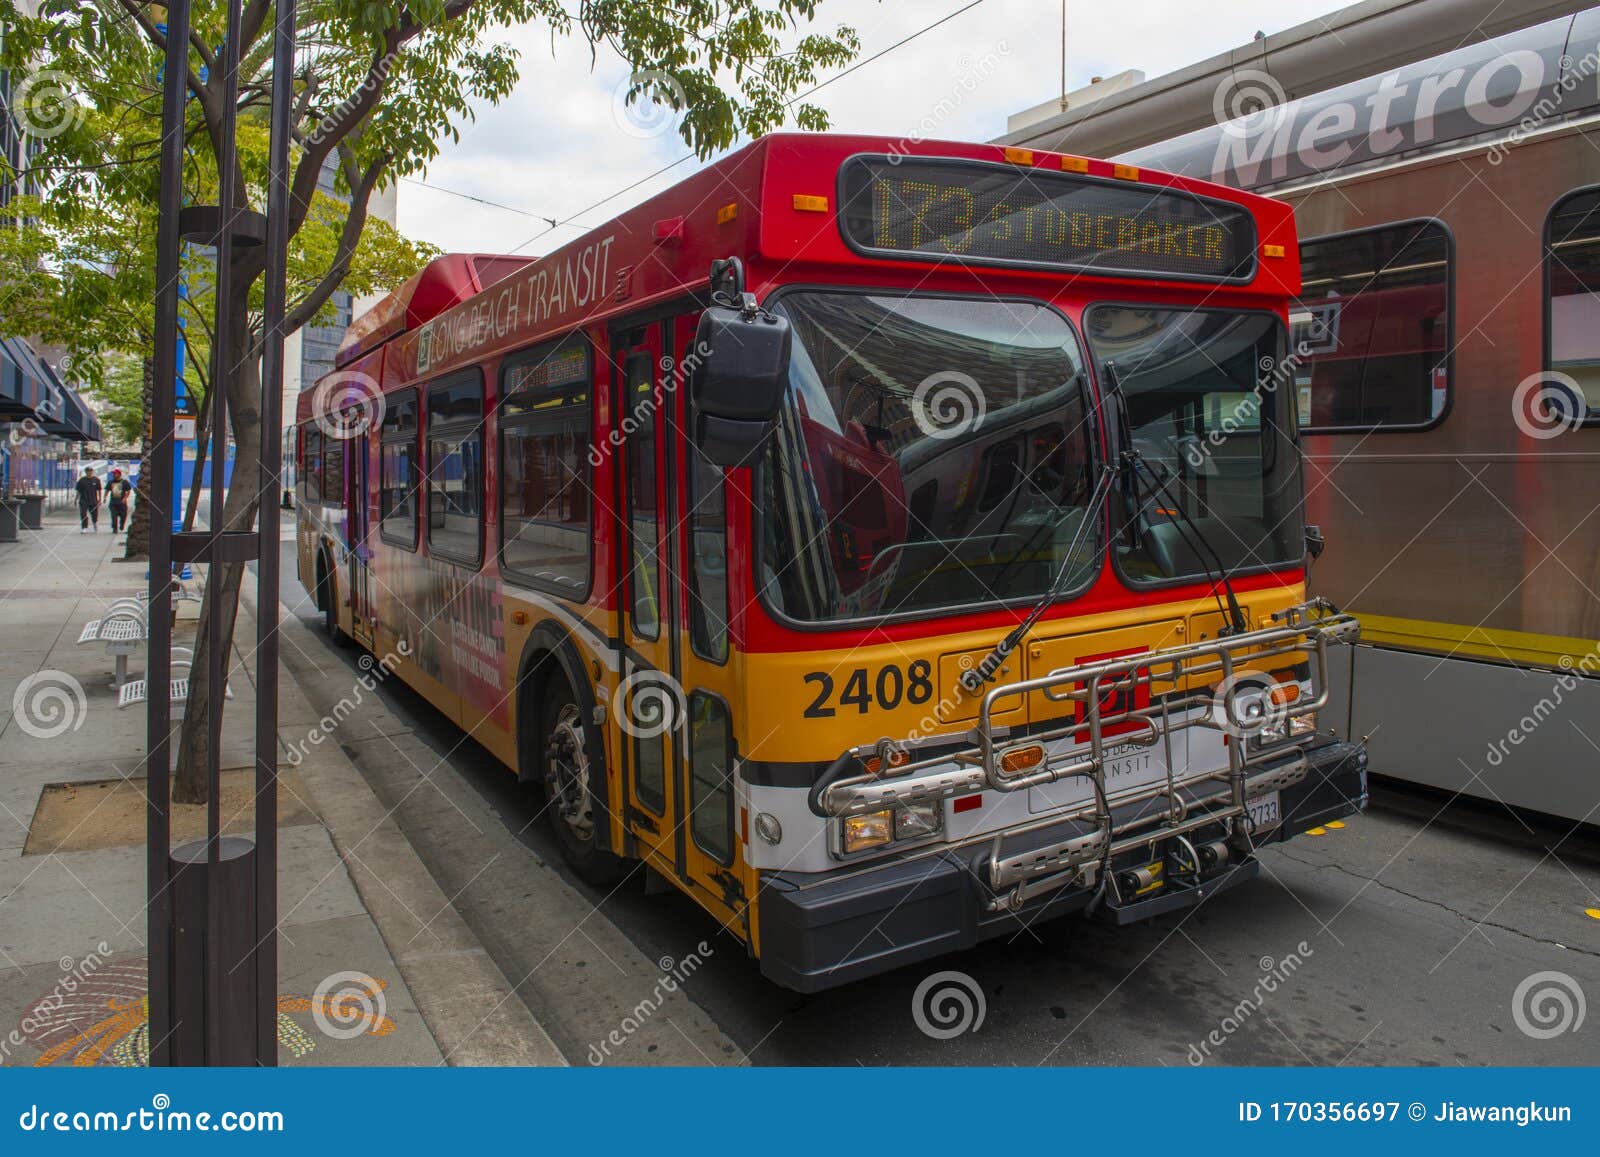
column 349, row 238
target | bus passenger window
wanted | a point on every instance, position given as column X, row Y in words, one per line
column 313, row 463
column 710, row 769
column 333, row 471
column 1370, row 342
column 397, row 465
column 643, row 571
column 545, row 535
column 455, row 470
column 1572, row 285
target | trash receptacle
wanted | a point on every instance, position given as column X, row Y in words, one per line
column 10, row 512
column 32, row 515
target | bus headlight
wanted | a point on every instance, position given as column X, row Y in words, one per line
column 918, row 820
column 892, row 825
column 869, row 831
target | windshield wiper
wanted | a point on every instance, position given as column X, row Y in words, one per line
column 1132, row 461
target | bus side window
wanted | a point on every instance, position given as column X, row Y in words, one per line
column 455, row 469
column 711, row 769
column 643, row 585
column 1373, row 320
column 1572, row 301
column 313, row 461
column 333, row 471
column 397, row 467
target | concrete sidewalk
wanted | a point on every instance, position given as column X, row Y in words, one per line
column 359, row 915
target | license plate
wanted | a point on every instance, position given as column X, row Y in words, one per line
column 1266, row 812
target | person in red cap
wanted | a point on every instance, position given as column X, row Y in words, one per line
column 118, row 491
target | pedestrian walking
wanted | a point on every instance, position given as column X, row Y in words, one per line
column 89, row 491
column 118, row 491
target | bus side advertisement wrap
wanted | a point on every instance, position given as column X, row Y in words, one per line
column 989, row 214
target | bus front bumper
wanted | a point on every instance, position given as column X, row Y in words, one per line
column 818, row 932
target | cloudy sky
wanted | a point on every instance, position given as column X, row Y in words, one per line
column 561, row 142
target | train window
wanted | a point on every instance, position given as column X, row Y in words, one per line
column 1371, row 330
column 544, row 469
column 312, row 454
column 397, row 467
column 643, row 573
column 455, row 469
column 1572, row 309
column 710, row 769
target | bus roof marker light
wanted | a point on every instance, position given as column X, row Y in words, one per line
column 669, row 230
column 1125, row 172
column 810, row 203
column 1019, row 156
column 1273, row 251
column 728, row 212
column 1075, row 164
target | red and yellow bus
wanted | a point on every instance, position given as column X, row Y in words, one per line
column 888, row 545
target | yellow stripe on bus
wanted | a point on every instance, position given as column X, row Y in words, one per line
column 1477, row 642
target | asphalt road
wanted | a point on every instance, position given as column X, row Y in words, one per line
column 1401, row 938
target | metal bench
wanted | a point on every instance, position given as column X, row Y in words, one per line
column 135, row 691
column 123, row 629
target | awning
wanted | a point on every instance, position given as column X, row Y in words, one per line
column 32, row 390
column 18, row 391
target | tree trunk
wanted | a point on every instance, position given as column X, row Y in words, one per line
column 139, row 520
column 223, row 582
column 202, row 446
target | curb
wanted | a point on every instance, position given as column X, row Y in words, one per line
column 466, row 1001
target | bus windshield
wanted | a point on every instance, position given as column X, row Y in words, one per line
column 932, row 454
column 1208, row 404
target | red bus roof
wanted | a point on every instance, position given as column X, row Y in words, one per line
column 773, row 203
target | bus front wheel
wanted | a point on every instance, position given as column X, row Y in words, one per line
column 573, row 787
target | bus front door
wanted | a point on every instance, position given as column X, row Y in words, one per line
column 673, row 718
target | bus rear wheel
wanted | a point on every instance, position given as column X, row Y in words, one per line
column 573, row 788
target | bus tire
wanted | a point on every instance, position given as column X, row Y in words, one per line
column 574, row 802
column 328, row 603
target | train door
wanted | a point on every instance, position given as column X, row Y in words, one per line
column 357, row 528
column 675, row 717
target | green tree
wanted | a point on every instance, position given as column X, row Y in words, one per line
column 378, row 86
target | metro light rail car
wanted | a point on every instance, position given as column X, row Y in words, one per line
column 1449, row 399
column 889, row 546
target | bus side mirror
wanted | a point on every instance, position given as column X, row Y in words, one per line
column 737, row 380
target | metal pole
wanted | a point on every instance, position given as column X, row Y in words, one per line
column 267, row 558
column 223, row 369
column 158, row 670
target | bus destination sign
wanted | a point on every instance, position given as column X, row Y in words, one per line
column 991, row 214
